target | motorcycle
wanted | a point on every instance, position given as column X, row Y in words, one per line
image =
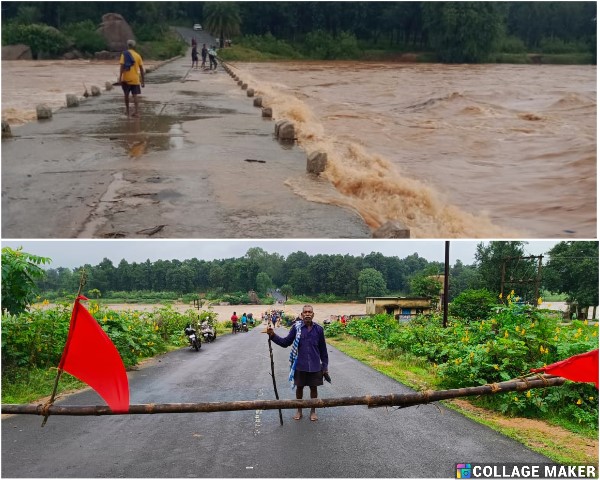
column 244, row 327
column 207, row 332
column 192, row 337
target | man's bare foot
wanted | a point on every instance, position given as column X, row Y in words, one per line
column 298, row 416
column 313, row 416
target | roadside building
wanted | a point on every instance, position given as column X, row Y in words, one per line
column 403, row 308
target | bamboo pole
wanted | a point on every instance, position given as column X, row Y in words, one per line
column 392, row 400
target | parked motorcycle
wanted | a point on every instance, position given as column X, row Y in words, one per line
column 192, row 337
column 207, row 332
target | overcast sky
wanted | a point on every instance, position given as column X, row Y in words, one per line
column 75, row 253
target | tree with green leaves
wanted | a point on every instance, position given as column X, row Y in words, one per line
column 493, row 257
column 222, row 19
column 371, row 283
column 286, row 290
column 263, row 283
column 20, row 270
column 427, row 284
column 573, row 270
column 463, row 277
column 462, row 32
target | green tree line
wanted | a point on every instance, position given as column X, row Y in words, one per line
column 570, row 268
column 456, row 31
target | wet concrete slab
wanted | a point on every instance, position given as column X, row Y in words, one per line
column 200, row 162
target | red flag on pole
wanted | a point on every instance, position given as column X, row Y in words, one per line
column 579, row 368
column 90, row 356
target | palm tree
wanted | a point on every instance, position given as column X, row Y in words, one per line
column 222, row 18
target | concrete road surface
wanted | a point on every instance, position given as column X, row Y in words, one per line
column 201, row 162
column 352, row 442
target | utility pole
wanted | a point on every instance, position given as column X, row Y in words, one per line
column 524, row 278
column 446, row 283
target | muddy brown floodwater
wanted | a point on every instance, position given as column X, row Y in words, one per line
column 471, row 151
column 510, row 144
column 224, row 312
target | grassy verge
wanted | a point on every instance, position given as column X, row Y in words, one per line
column 553, row 441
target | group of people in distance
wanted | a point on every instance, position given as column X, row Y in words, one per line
column 211, row 53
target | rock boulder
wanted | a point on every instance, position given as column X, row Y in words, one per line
column 116, row 31
column 16, row 52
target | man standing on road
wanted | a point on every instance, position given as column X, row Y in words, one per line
column 131, row 76
column 309, row 359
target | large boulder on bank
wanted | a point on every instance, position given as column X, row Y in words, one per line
column 16, row 52
column 116, row 31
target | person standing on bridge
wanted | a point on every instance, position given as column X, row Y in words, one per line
column 195, row 56
column 204, row 53
column 131, row 76
column 212, row 57
column 309, row 359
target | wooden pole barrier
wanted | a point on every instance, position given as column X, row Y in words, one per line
column 391, row 400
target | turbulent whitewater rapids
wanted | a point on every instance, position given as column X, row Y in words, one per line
column 450, row 150
column 463, row 151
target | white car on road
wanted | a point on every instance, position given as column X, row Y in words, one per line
column 197, row 26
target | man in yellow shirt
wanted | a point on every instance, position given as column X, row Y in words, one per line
column 131, row 76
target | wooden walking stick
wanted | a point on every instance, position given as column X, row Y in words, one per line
column 270, row 325
column 49, row 403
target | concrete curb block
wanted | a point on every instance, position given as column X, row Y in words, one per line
column 392, row 229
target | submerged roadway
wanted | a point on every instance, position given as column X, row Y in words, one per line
column 201, row 162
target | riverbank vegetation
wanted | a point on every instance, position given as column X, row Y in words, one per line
column 465, row 32
column 32, row 342
column 424, row 355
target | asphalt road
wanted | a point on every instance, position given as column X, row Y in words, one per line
column 352, row 442
column 200, row 162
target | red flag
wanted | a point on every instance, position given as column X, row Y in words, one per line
column 90, row 356
column 579, row 368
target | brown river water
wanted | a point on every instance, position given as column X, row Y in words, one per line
column 470, row 151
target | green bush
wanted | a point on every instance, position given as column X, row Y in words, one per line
column 42, row 39
column 467, row 353
column 268, row 44
column 473, row 305
column 325, row 46
column 84, row 36
column 556, row 45
column 512, row 44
